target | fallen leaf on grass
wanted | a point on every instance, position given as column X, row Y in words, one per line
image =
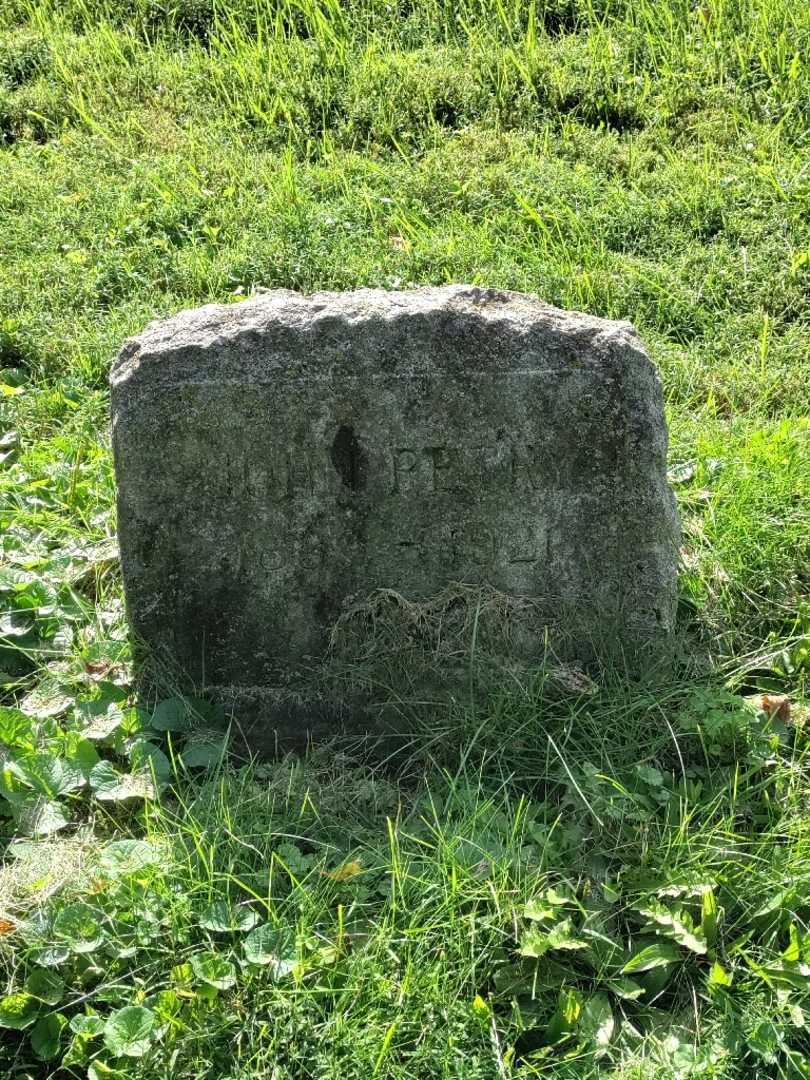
column 343, row 873
column 97, row 669
column 777, row 706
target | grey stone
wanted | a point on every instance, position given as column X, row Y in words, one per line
column 284, row 461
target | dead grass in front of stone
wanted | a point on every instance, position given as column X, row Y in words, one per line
column 456, row 643
column 38, row 870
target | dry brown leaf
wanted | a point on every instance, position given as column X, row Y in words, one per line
column 777, row 706
column 97, row 669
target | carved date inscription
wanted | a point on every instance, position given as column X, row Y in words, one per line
column 475, row 546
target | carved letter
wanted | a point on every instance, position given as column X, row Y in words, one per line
column 524, row 467
column 405, row 463
column 444, row 464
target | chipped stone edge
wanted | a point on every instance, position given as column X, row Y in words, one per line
column 214, row 326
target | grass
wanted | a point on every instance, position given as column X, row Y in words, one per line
column 616, row 884
column 645, row 161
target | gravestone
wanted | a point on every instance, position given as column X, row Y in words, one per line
column 282, row 459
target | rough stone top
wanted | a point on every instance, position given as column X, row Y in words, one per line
column 223, row 337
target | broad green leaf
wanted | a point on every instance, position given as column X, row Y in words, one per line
column 12, row 578
column 46, row 1036
column 564, row 936
column 45, row 985
column 46, row 774
column 207, row 712
column 596, row 1022
column 11, row 787
column 168, row 1005
column 87, row 1025
column 171, row 715
column 16, row 729
column 689, row 889
column 222, row 917
column 294, row 860
column 109, row 785
column 14, row 376
column 107, row 652
column 214, row 970
column 127, row 856
column 676, row 925
column 203, row 753
column 149, row 759
column 80, row 753
column 658, row 954
column 655, row 980
column 110, row 692
column 18, row 1011
column 46, row 699
column 626, row 989
column 269, row 946
column 129, row 1031
column 566, row 1016
column 610, row 893
column 718, row 976
column 183, row 976
column 559, row 896
column 533, row 943
column 39, row 816
column 136, row 722
column 51, row 955
column 79, row 926
column 100, row 719
column 538, row 911
column 77, row 1055
column 793, row 952
column 104, row 777
column 650, row 775
column 100, row 1070
column 15, row 624
column 682, row 1056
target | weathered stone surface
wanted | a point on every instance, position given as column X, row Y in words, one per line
column 280, row 459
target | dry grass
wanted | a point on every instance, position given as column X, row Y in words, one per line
column 38, row 870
